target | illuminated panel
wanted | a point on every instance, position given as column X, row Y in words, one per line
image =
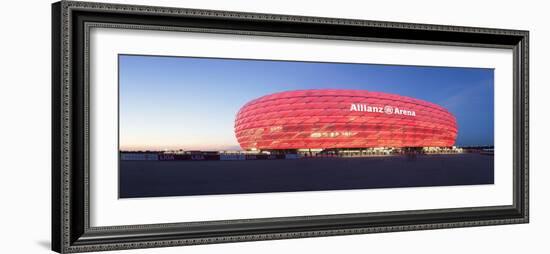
column 329, row 118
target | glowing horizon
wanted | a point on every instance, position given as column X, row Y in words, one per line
column 132, row 148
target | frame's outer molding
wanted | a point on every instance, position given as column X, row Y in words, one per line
column 70, row 229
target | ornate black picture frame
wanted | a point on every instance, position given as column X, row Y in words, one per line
column 71, row 230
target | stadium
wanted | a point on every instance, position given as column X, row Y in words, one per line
column 324, row 139
column 334, row 121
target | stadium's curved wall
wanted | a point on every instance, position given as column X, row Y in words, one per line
column 322, row 119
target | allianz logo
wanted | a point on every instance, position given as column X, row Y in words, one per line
column 377, row 109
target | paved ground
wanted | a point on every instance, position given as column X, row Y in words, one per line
column 179, row 178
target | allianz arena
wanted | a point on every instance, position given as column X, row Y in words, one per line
column 342, row 119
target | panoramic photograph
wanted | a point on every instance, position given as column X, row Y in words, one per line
column 205, row 126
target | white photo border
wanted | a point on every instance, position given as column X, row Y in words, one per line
column 106, row 209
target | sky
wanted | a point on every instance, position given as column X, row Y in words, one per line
column 168, row 102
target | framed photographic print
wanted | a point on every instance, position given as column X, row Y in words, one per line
column 181, row 126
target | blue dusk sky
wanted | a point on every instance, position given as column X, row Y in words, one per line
column 191, row 103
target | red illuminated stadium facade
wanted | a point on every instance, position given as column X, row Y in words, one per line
column 331, row 119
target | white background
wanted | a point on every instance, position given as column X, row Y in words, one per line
column 107, row 210
column 25, row 129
